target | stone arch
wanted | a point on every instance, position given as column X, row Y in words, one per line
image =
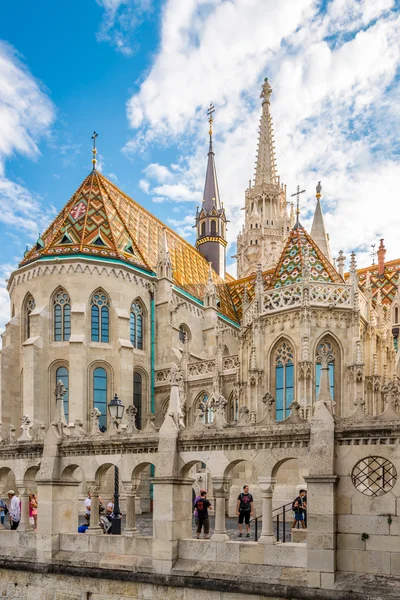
column 139, row 468
column 69, row 473
column 29, row 478
column 103, row 468
column 187, row 467
column 7, row 479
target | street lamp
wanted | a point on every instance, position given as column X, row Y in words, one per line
column 116, row 410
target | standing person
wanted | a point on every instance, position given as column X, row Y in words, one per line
column 14, row 510
column 244, row 509
column 299, row 507
column 88, row 505
column 33, row 506
column 3, row 511
column 195, row 512
column 202, row 505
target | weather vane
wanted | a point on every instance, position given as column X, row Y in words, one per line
column 373, row 253
column 297, row 194
column 94, row 151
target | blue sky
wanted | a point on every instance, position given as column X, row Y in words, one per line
column 142, row 73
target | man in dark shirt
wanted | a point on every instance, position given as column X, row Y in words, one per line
column 244, row 509
column 202, row 505
column 299, row 508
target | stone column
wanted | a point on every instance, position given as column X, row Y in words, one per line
column 94, row 527
column 130, row 526
column 267, row 486
column 219, row 486
column 23, row 494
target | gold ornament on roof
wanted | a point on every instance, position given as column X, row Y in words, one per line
column 94, row 151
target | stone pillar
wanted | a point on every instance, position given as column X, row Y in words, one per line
column 267, row 486
column 219, row 486
column 172, row 519
column 94, row 527
column 23, row 495
column 321, row 510
column 130, row 526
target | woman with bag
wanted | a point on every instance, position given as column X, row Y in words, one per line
column 3, row 511
column 33, row 505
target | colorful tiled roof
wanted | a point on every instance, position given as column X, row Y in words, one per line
column 388, row 283
column 290, row 266
column 101, row 221
column 236, row 288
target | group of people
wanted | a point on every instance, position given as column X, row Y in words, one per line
column 13, row 510
column 106, row 514
column 244, row 510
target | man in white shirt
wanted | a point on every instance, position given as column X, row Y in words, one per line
column 14, row 509
column 88, row 504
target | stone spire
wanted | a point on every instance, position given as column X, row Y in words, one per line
column 164, row 264
column 318, row 232
column 211, row 219
column 210, row 292
column 265, row 163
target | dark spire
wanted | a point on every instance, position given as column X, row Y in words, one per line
column 211, row 197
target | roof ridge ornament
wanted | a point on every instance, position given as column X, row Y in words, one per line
column 94, row 151
column 297, row 194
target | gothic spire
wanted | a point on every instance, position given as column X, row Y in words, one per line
column 318, row 232
column 265, row 164
column 211, row 197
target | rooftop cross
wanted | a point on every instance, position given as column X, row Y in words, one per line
column 210, row 112
column 297, row 194
column 94, row 151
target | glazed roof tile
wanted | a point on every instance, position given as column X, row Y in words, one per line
column 388, row 283
column 101, row 221
column 236, row 288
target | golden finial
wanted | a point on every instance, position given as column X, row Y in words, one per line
column 94, row 151
column 210, row 112
column 318, row 190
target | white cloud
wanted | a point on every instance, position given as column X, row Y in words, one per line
column 157, row 172
column 120, row 19
column 335, row 106
column 184, row 227
column 5, row 271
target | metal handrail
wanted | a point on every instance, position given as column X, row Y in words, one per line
column 281, row 511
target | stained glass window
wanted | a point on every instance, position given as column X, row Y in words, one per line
column 62, row 317
column 137, row 398
column 100, row 319
column 284, row 380
column 100, row 395
column 136, row 325
column 63, row 375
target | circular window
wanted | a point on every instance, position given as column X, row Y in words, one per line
column 374, row 476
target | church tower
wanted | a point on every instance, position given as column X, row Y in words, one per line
column 211, row 219
column 267, row 224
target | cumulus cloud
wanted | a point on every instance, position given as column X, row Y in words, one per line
column 335, row 106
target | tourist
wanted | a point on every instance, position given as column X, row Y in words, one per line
column 3, row 511
column 203, row 522
column 244, row 509
column 88, row 505
column 33, row 506
column 110, row 507
column 82, row 528
column 198, row 497
column 299, row 508
column 14, row 510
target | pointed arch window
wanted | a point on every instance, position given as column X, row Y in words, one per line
column 62, row 316
column 208, row 411
column 331, row 366
column 203, row 229
column 63, row 376
column 184, row 332
column 30, row 306
column 137, row 398
column 284, row 380
column 396, row 315
column 136, row 325
column 100, row 317
column 100, row 395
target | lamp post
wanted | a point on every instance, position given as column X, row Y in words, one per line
column 116, row 411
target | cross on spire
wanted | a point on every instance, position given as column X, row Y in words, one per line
column 210, row 111
column 94, row 151
column 297, row 194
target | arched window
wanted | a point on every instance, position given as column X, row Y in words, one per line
column 284, row 380
column 213, row 228
column 225, row 351
column 100, row 317
column 331, row 366
column 203, row 228
column 30, row 305
column 136, row 325
column 62, row 375
column 396, row 315
column 184, row 331
column 137, row 398
column 208, row 411
column 233, row 408
column 62, row 316
column 100, row 395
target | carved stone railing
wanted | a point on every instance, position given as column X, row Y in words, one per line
column 319, row 294
column 205, row 367
column 163, row 376
column 230, row 362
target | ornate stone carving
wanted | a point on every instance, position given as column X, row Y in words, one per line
column 10, row 438
column 40, row 432
column 76, row 429
column 26, row 425
column 244, row 416
column 269, row 402
column 150, row 426
column 59, row 415
column 95, row 415
column 305, row 370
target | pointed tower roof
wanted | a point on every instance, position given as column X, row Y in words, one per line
column 211, row 197
column 265, row 164
column 299, row 249
column 102, row 222
column 318, row 232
